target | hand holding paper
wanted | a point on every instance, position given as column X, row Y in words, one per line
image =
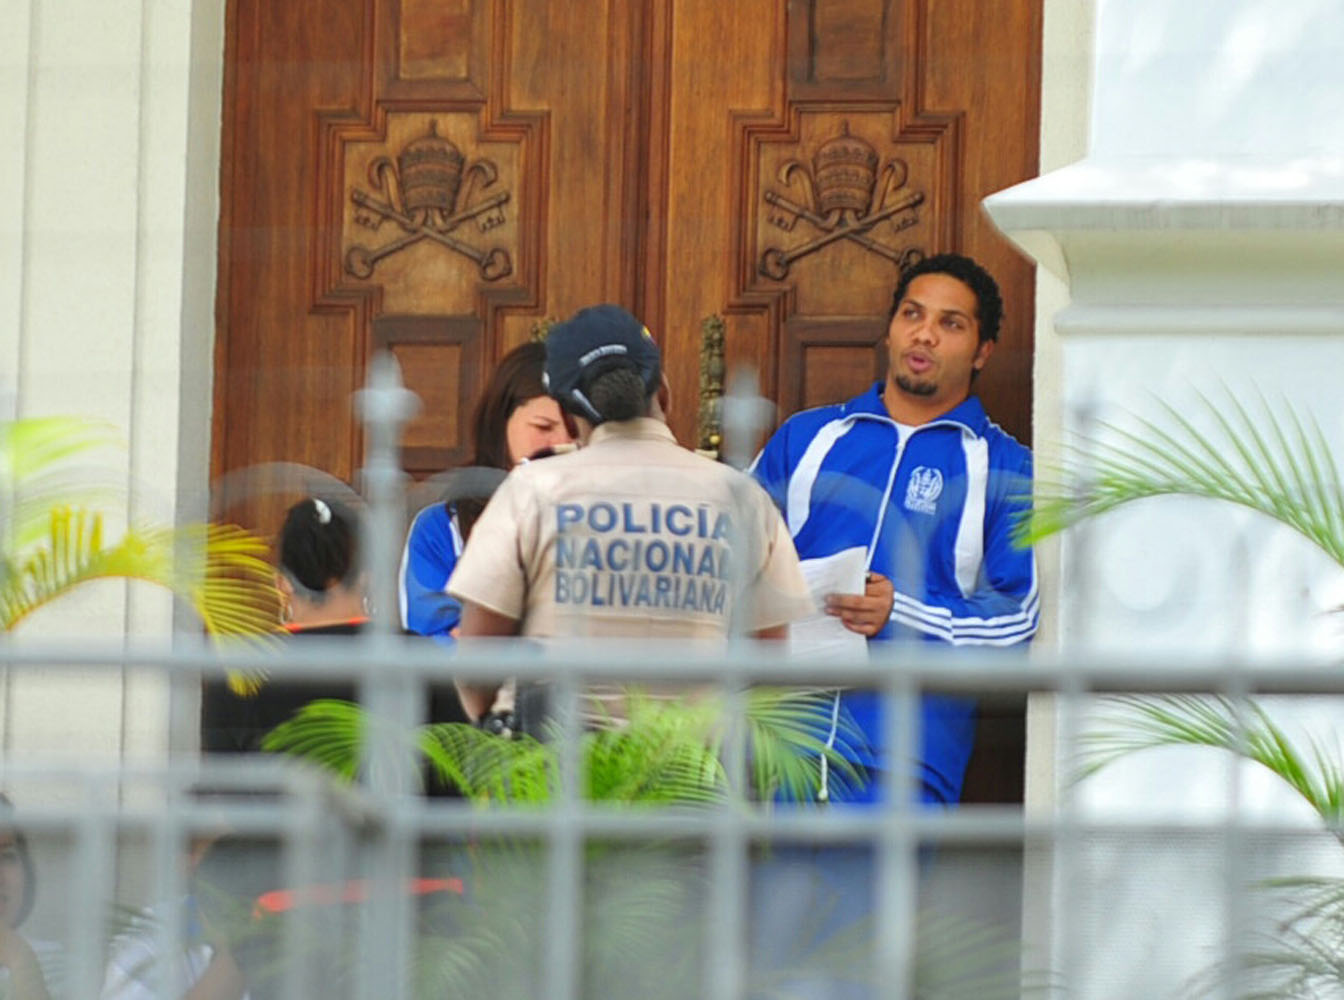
column 825, row 634
column 864, row 613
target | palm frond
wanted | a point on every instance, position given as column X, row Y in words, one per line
column 955, row 956
column 643, row 925
column 343, row 738
column 327, row 732
column 962, row 956
column 35, row 444
column 1312, row 896
column 52, row 536
column 788, row 732
column 1275, row 463
column 1298, row 954
column 44, row 464
column 662, row 754
column 480, row 957
column 489, row 769
column 73, row 553
column 1140, row 723
column 221, row 570
column 642, row 913
column 666, row 752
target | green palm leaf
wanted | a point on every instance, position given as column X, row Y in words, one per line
column 642, row 911
column 960, row 956
column 667, row 752
column 328, row 732
column 787, row 732
column 663, row 755
column 1140, row 723
column 487, row 768
column 341, row 737
column 1276, row 464
column 1301, row 954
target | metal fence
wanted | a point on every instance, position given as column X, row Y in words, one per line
column 123, row 833
column 370, row 889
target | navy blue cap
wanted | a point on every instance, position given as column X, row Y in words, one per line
column 593, row 341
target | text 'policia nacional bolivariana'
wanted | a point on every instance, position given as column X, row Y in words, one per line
column 642, row 554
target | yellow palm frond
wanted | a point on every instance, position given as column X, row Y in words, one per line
column 39, row 471
column 221, row 570
column 52, row 490
column 231, row 585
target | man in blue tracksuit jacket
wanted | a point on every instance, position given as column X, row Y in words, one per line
column 915, row 473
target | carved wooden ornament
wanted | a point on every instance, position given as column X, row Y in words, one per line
column 842, row 197
column 419, row 192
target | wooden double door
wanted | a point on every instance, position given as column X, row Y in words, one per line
column 438, row 177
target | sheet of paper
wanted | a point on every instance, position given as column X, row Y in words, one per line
column 822, row 635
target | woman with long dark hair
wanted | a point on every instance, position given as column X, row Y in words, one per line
column 514, row 420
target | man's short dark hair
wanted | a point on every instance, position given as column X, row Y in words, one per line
column 988, row 302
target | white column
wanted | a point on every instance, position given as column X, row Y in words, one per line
column 1199, row 242
column 107, row 293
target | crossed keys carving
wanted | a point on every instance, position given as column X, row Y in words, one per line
column 419, row 193
column 847, row 203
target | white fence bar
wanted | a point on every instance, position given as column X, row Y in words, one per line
column 925, row 667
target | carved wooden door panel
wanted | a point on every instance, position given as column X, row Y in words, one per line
column 432, row 176
column 438, row 176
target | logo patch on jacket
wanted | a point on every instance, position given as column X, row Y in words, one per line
column 923, row 490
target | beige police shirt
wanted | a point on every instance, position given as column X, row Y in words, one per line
column 632, row 535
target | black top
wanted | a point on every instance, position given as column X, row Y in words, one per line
column 232, row 723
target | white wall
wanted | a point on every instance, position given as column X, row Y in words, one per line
column 107, row 267
column 1066, row 72
column 1194, row 249
column 1218, row 79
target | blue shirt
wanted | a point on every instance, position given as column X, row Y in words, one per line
column 933, row 506
column 433, row 546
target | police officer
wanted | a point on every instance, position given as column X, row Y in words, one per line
column 631, row 534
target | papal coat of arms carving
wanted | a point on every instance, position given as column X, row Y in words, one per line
column 428, row 192
column 842, row 196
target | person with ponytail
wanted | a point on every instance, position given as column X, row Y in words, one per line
column 319, row 578
column 632, row 535
column 322, row 594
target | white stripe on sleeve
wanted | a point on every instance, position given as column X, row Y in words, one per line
column 798, row 499
column 969, row 550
